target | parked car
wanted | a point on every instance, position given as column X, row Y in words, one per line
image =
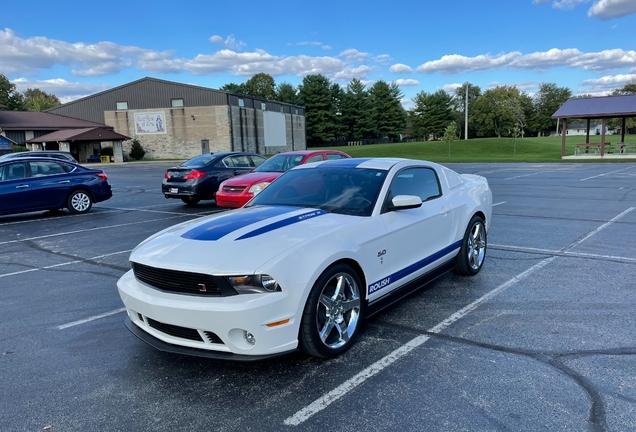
column 62, row 155
column 237, row 191
column 299, row 266
column 199, row 178
column 35, row 184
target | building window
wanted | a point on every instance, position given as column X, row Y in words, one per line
column 263, row 106
column 122, row 105
column 296, row 111
column 241, row 103
column 177, row 103
column 281, row 109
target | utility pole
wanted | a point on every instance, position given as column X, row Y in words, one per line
column 466, row 115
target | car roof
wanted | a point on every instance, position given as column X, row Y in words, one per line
column 35, row 159
column 309, row 152
column 368, row 163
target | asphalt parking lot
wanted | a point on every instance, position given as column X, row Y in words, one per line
column 542, row 339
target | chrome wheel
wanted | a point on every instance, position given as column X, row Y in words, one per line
column 79, row 202
column 338, row 310
column 476, row 246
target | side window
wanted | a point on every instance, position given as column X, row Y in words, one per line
column 335, row 157
column 237, row 161
column 421, row 182
column 12, row 172
column 258, row 160
column 39, row 169
column 315, row 158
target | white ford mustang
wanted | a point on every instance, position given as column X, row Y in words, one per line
column 304, row 261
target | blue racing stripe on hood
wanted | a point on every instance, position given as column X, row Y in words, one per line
column 218, row 228
column 282, row 223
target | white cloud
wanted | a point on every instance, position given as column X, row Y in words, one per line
column 326, row 47
column 406, row 103
column 595, row 61
column 609, row 9
column 383, row 58
column 606, row 84
column 348, row 74
column 407, row 82
column 354, row 54
column 450, row 88
column 400, row 68
column 66, row 91
column 229, row 42
column 522, row 86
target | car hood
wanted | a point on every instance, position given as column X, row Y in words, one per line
column 253, row 178
column 237, row 241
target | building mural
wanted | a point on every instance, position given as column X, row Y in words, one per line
column 150, row 122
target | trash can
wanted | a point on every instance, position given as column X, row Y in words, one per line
column 105, row 159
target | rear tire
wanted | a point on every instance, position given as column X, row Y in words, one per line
column 332, row 317
column 79, row 202
column 190, row 200
column 470, row 258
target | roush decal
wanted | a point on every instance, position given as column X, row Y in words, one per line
column 400, row 274
column 218, row 228
column 283, row 223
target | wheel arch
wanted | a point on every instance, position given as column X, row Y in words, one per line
column 481, row 215
column 78, row 188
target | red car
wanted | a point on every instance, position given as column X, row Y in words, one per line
column 237, row 191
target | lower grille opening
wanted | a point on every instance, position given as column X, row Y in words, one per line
column 213, row 338
column 176, row 331
column 141, row 317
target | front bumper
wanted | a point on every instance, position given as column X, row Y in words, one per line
column 232, row 200
column 213, row 326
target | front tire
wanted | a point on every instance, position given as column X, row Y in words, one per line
column 79, row 202
column 333, row 312
column 190, row 200
column 470, row 258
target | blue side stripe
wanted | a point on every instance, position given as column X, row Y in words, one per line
column 400, row 274
column 282, row 223
column 218, row 228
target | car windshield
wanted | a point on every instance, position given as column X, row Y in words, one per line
column 280, row 163
column 350, row 191
column 198, row 161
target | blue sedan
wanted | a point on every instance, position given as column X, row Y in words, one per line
column 36, row 184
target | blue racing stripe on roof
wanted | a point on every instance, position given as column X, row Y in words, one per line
column 217, row 228
column 282, row 223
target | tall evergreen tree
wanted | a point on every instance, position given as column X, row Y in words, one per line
column 9, row 97
column 234, row 88
column 389, row 116
column 431, row 114
column 316, row 95
column 285, row 92
column 357, row 111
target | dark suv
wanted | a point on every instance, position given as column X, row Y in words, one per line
column 62, row 155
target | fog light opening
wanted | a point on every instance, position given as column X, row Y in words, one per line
column 249, row 337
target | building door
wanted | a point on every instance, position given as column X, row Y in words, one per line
column 205, row 146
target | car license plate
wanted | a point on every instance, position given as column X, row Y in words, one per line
column 174, row 190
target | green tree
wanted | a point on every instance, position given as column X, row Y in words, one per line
column 316, row 95
column 431, row 114
column 498, row 109
column 38, row 100
column 450, row 135
column 234, row 88
column 389, row 117
column 337, row 101
column 285, row 92
column 9, row 97
column 547, row 101
column 629, row 88
column 357, row 111
column 137, row 152
column 262, row 86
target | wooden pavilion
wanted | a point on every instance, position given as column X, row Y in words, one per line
column 599, row 108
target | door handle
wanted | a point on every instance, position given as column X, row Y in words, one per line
column 64, row 181
column 444, row 211
column 22, row 186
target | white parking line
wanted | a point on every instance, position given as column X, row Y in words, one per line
column 499, row 203
column 340, row 391
column 528, row 175
column 89, row 319
column 90, row 229
column 611, row 172
column 556, row 252
column 64, row 263
column 159, row 211
column 55, row 218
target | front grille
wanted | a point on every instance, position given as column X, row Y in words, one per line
column 176, row 331
column 176, row 281
column 213, row 338
column 234, row 189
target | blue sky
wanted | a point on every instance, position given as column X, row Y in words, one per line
column 73, row 48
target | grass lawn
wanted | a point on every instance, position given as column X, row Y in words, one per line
column 544, row 149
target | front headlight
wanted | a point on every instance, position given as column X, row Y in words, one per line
column 221, row 186
column 258, row 188
column 254, row 284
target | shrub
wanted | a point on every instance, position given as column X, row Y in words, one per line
column 18, row 148
column 107, row 151
column 137, row 152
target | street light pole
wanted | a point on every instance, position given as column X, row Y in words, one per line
column 466, row 115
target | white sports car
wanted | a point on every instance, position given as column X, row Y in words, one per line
column 304, row 261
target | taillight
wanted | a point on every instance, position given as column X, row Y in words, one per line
column 167, row 175
column 195, row 174
column 102, row 176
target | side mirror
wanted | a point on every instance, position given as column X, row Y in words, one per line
column 405, row 202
